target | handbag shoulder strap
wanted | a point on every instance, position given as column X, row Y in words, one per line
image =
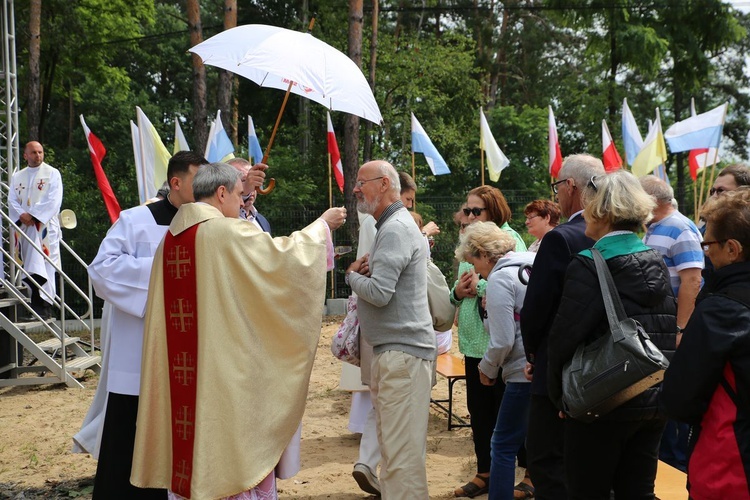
column 612, row 302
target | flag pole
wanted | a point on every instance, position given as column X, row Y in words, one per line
column 481, row 156
column 716, row 158
column 716, row 154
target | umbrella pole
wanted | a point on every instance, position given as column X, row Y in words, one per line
column 272, row 182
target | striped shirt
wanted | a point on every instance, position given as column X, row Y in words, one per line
column 679, row 242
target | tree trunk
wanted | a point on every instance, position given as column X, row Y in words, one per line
column 200, row 131
column 614, row 63
column 367, row 154
column 677, row 110
column 304, row 105
column 351, row 126
column 226, row 78
column 34, row 106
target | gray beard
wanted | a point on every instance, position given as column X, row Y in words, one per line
column 367, row 208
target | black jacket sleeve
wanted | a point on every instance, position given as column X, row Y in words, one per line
column 544, row 291
column 709, row 338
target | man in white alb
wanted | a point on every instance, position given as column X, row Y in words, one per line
column 33, row 204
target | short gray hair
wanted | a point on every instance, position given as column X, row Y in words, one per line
column 618, row 199
column 658, row 189
column 581, row 168
column 208, row 179
column 387, row 170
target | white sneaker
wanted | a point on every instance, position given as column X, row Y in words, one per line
column 366, row 480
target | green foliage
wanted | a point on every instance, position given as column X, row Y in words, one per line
column 101, row 58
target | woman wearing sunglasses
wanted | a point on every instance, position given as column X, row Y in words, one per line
column 484, row 203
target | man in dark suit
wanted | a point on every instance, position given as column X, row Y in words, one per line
column 544, row 439
column 248, row 210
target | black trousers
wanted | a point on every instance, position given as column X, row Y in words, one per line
column 544, row 449
column 606, row 456
column 483, row 403
column 112, row 479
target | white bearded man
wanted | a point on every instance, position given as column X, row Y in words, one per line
column 223, row 386
column 34, row 204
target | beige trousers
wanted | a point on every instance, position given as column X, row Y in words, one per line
column 400, row 387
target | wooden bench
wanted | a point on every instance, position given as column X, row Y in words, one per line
column 452, row 368
column 670, row 483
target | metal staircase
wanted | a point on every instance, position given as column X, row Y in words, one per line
column 27, row 348
column 52, row 354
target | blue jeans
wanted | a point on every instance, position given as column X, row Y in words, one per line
column 508, row 437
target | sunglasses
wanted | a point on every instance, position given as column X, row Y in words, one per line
column 476, row 211
column 592, row 183
column 714, row 191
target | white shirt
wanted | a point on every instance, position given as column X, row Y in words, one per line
column 120, row 274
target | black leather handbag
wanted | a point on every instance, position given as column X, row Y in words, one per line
column 614, row 368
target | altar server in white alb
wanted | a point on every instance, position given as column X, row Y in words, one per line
column 34, row 204
column 120, row 274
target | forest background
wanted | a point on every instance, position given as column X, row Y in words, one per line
column 440, row 59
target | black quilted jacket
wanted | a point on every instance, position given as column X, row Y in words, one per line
column 642, row 281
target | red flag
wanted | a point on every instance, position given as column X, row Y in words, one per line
column 610, row 156
column 97, row 152
column 696, row 159
column 555, row 156
column 333, row 150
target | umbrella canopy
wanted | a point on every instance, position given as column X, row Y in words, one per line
column 275, row 57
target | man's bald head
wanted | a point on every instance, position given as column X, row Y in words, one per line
column 33, row 153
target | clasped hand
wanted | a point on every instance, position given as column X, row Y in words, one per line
column 361, row 265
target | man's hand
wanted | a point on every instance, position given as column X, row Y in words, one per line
column 27, row 219
column 360, row 266
column 467, row 285
column 254, row 177
column 335, row 217
column 528, row 372
column 485, row 380
column 430, row 229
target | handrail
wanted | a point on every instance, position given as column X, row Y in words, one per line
column 59, row 298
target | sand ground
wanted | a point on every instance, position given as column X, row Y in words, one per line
column 36, row 425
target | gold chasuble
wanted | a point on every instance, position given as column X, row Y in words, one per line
column 232, row 326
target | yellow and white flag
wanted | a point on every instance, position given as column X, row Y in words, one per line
column 496, row 160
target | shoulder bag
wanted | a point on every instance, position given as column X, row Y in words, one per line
column 439, row 299
column 614, row 368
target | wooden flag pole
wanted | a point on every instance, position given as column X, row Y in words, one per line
column 551, row 189
column 330, row 184
column 481, row 156
column 716, row 155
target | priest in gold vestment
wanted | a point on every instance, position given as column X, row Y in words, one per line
column 224, row 379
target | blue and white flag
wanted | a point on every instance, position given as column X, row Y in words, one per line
column 218, row 146
column 420, row 143
column 253, row 144
column 697, row 132
column 631, row 136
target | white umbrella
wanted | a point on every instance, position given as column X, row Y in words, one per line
column 295, row 62
column 275, row 57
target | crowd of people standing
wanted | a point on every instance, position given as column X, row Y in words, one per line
column 521, row 314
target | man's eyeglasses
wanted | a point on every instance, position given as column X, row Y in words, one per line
column 714, row 191
column 554, row 185
column 475, row 210
column 707, row 244
column 359, row 184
